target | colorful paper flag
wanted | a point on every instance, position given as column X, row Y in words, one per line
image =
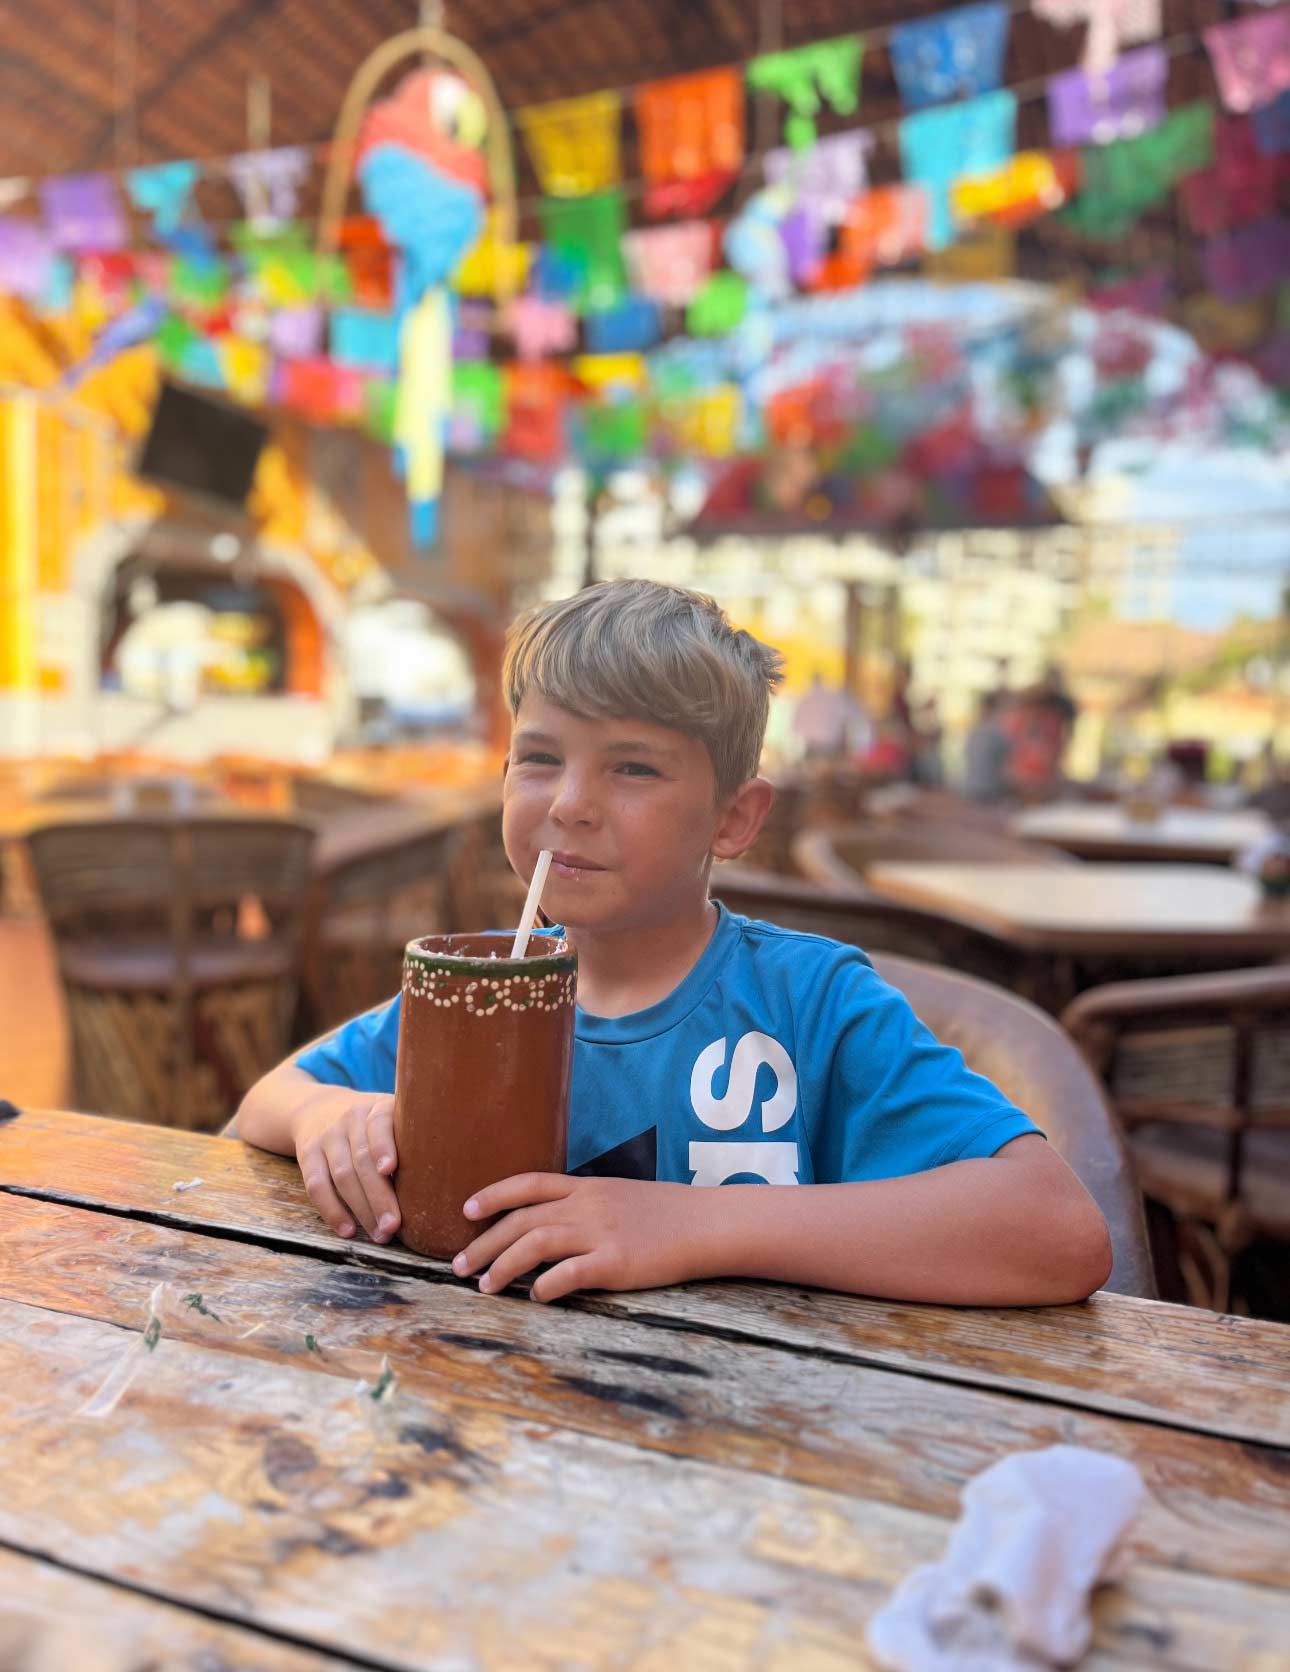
column 541, row 328
column 1112, row 24
column 163, row 191
column 937, row 146
column 825, row 179
column 718, row 307
column 1031, row 184
column 1242, row 184
column 670, row 263
column 884, row 228
column 365, row 339
column 1272, row 126
column 588, row 231
column 691, row 131
column 1250, row 261
column 1125, row 178
column 806, row 76
column 26, row 256
column 269, row 182
column 1251, row 58
column 1127, row 100
column 574, row 143
column 956, row 54
column 83, row 212
column 631, row 327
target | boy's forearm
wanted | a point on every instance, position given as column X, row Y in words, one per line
column 961, row 1234
column 268, row 1112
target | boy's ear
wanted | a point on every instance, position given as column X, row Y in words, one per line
column 742, row 818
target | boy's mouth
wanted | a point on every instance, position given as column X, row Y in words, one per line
column 573, row 865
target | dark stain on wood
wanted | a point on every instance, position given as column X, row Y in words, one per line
column 8, row 1111
column 287, row 1461
column 332, row 1541
column 353, row 1289
column 389, row 1486
column 612, row 1393
column 481, row 1343
column 650, row 1361
column 1159, row 1637
column 442, row 1442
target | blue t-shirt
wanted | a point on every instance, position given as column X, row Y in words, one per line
column 782, row 1058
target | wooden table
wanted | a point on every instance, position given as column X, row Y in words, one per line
column 720, row 1476
column 1071, row 923
column 1103, row 830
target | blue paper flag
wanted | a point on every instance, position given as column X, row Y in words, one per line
column 632, row 326
column 365, row 339
column 163, row 191
column 936, row 146
column 953, row 55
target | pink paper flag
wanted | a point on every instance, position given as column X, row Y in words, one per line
column 669, row 263
column 83, row 212
column 1251, row 57
column 1096, row 109
column 541, row 328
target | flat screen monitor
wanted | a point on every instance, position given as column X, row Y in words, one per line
column 200, row 445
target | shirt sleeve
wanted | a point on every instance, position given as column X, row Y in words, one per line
column 899, row 1101
column 360, row 1054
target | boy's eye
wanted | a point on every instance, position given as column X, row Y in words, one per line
column 538, row 757
column 637, row 769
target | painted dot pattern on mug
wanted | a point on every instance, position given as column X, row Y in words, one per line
column 484, row 995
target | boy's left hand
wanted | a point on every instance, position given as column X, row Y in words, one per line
column 600, row 1234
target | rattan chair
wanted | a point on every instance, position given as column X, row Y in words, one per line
column 1002, row 1036
column 366, row 908
column 1198, row 1070
column 178, row 944
column 838, row 856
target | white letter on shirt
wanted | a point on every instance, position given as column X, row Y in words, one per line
column 715, row 1163
column 724, row 1114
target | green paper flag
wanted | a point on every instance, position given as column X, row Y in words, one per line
column 718, row 307
column 588, row 231
column 801, row 76
column 1125, row 178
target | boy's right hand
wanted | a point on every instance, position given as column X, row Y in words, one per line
column 345, row 1147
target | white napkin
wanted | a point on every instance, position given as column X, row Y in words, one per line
column 1039, row 1529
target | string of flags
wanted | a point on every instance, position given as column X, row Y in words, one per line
column 669, row 335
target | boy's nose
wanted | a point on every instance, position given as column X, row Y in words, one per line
column 573, row 803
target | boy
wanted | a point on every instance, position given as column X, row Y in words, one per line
column 708, row 1049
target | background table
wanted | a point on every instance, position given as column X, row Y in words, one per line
column 717, row 1476
column 1195, row 912
column 1103, row 830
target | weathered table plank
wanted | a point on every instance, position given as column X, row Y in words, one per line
column 1177, row 1365
column 55, row 1621
column 897, row 1438
column 275, row 1494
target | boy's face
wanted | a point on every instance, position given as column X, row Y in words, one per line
column 635, row 802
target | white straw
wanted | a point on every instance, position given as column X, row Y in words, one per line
column 531, row 904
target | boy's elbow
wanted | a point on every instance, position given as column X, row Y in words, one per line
column 1086, row 1253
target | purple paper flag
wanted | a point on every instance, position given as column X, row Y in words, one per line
column 1249, row 261
column 26, row 256
column 268, row 182
column 83, row 212
column 828, row 177
column 296, row 333
column 1094, row 110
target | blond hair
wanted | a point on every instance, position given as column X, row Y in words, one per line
column 642, row 650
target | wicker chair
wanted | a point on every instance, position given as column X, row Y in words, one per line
column 1005, row 1038
column 178, row 945
column 838, row 856
column 367, row 906
column 1198, row 1069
